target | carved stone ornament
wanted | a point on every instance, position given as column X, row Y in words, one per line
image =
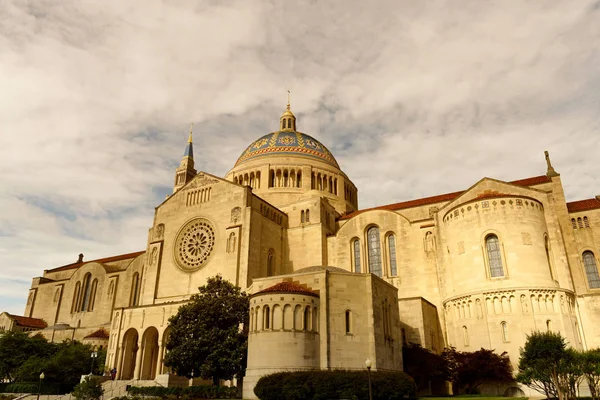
column 236, row 214
column 194, row 244
column 201, row 180
column 159, row 232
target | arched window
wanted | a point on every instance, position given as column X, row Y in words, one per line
column 591, row 269
column 135, row 283
column 356, row 248
column 271, row 178
column 392, row 252
column 547, row 245
column 579, row 222
column 93, row 295
column 299, row 179
column 549, row 326
column 87, row 289
column 492, row 245
column 307, row 215
column 586, row 222
column 306, row 325
column 348, row 322
column 266, row 318
column 374, row 248
column 465, row 336
column 504, row 331
column 270, row 262
column 574, row 223
column 302, row 216
column 76, row 297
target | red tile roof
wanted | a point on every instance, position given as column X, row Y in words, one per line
column 29, row 322
column 536, row 180
column 583, row 205
column 100, row 260
column 288, row 287
column 99, row 334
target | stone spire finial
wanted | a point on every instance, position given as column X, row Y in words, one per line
column 550, row 172
column 189, row 149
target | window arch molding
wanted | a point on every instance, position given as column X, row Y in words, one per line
column 589, row 260
column 356, row 252
column 374, row 256
column 488, row 234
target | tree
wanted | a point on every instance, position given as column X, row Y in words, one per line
column 209, row 335
column 423, row 366
column 570, row 373
column 16, row 348
column 89, row 389
column 469, row 370
column 539, row 365
column 591, row 371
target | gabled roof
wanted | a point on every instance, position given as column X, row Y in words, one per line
column 99, row 334
column 28, row 322
column 100, row 260
column 536, row 180
column 583, row 205
column 288, row 287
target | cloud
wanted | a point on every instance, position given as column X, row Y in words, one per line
column 414, row 99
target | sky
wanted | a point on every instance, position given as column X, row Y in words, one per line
column 413, row 98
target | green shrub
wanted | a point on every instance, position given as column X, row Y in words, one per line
column 321, row 385
column 89, row 389
column 192, row 392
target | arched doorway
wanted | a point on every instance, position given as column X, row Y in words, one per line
column 149, row 353
column 130, row 349
column 165, row 337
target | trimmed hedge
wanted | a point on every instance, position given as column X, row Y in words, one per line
column 32, row 387
column 192, row 392
column 321, row 385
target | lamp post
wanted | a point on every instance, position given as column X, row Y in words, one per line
column 94, row 355
column 368, row 365
column 42, row 376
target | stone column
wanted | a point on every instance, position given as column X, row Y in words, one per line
column 159, row 360
column 118, row 366
column 138, row 362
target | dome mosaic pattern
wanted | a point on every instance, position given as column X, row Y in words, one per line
column 194, row 244
column 287, row 143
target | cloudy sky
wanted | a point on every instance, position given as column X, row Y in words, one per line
column 414, row 98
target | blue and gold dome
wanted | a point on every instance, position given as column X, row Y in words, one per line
column 287, row 143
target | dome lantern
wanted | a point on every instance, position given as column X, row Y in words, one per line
column 287, row 121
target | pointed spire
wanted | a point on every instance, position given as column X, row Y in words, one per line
column 189, row 149
column 550, row 172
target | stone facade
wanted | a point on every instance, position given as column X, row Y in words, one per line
column 477, row 268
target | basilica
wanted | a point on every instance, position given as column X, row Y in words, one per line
column 332, row 284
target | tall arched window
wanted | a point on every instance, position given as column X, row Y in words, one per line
column 549, row 326
column 504, row 331
column 87, row 289
column 504, row 326
column 266, row 318
column 579, row 222
column 271, row 262
column 307, row 318
column 465, row 336
column 356, row 250
column 93, row 295
column 586, row 222
column 574, row 223
column 591, row 269
column 76, row 297
column 374, row 248
column 392, row 252
column 547, row 245
column 302, row 216
column 135, row 283
column 492, row 245
column 307, row 215
column 299, row 179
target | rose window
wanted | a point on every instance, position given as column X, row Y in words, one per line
column 194, row 244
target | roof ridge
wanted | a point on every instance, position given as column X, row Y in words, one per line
column 119, row 257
